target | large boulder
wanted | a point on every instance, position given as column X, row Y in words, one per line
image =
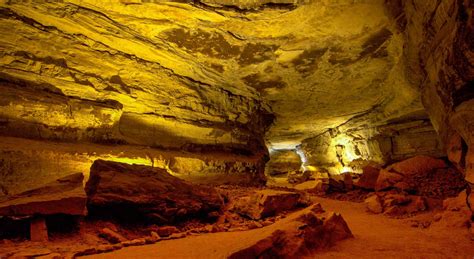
column 266, row 203
column 418, row 165
column 368, row 179
column 400, row 174
column 63, row 196
column 136, row 191
column 300, row 238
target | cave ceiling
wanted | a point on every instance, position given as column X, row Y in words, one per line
column 315, row 65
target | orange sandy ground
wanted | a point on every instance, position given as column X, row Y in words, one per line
column 376, row 236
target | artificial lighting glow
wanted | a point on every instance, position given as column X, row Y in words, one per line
column 302, row 156
column 346, row 169
column 349, row 148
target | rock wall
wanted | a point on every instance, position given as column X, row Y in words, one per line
column 27, row 164
column 339, row 152
column 92, row 79
column 439, row 37
column 282, row 162
column 79, row 73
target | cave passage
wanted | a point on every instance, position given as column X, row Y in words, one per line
column 237, row 129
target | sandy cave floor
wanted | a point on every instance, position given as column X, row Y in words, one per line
column 376, row 236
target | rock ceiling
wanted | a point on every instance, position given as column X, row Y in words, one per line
column 202, row 71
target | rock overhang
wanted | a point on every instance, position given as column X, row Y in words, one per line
column 198, row 75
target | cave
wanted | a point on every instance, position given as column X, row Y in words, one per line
column 237, row 129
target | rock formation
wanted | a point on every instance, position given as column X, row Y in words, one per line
column 134, row 192
column 165, row 107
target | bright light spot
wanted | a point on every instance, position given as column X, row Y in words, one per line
column 349, row 147
column 346, row 169
column 302, row 156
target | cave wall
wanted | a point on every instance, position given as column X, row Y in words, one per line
column 82, row 80
column 349, row 151
column 439, row 39
column 283, row 162
column 26, row 164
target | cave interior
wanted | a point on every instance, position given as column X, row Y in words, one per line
column 237, row 129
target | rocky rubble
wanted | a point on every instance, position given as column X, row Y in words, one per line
column 307, row 233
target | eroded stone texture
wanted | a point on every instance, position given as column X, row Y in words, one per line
column 135, row 192
column 28, row 164
column 300, row 237
column 266, row 203
column 101, row 72
column 341, row 151
column 283, row 162
column 439, row 36
column 201, row 74
column 63, row 196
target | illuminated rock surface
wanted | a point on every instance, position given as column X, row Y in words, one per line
column 124, row 72
column 203, row 90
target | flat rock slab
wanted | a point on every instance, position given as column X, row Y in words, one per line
column 63, row 196
column 266, row 203
column 127, row 191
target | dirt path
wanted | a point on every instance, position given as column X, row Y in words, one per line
column 376, row 236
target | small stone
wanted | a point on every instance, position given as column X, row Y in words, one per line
column 437, row 217
column 373, row 204
column 207, row 229
column 31, row 253
column 267, row 223
column 117, row 246
column 317, row 208
column 86, row 251
column 177, row 235
column 150, row 240
column 111, row 225
column 216, row 228
column 155, row 235
column 237, row 229
column 134, row 242
column 105, row 248
column 166, row 231
column 254, row 225
column 50, row 256
column 111, row 236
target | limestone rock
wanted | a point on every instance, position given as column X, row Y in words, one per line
column 407, row 174
column 456, row 212
column 266, row 203
column 387, row 179
column 368, row 179
column 32, row 253
column 141, row 191
column 166, row 231
column 134, row 242
column 63, row 196
column 418, row 165
column 282, row 162
column 309, row 234
column 112, row 236
column 374, row 204
column 38, row 230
